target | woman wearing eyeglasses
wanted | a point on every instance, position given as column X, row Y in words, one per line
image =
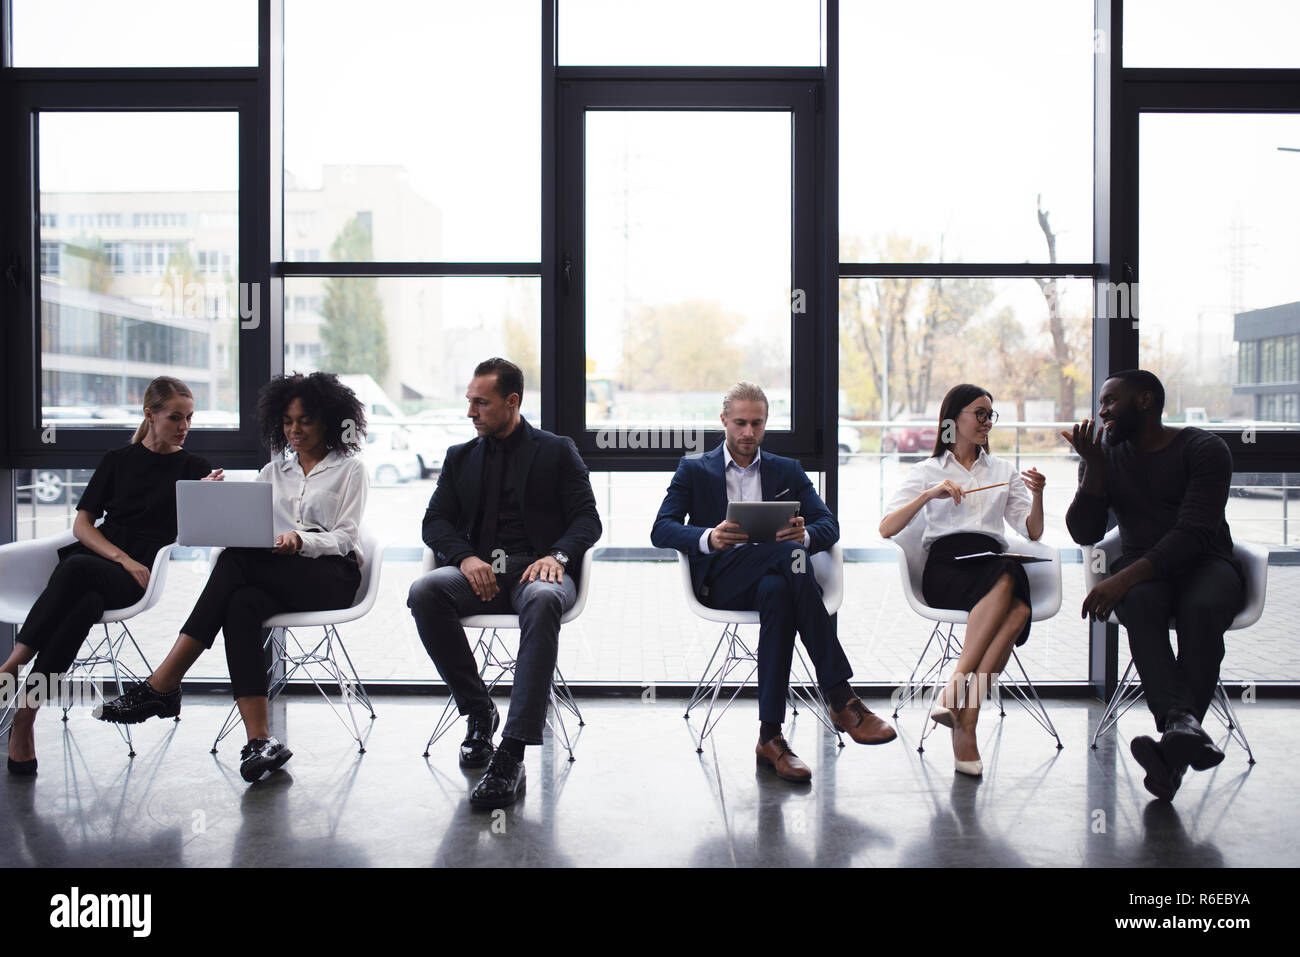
column 968, row 497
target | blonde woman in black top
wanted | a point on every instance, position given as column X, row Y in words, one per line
column 109, row 565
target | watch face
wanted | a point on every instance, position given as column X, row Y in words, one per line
column 560, row 557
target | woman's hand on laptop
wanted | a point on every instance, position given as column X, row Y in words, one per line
column 287, row 543
column 216, row 475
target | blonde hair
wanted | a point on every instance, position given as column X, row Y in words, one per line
column 156, row 395
column 743, row 392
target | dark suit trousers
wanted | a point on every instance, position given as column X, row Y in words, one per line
column 762, row 578
column 249, row 585
column 80, row 589
column 1202, row 605
column 441, row 598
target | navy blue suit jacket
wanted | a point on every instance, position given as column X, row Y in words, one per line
column 697, row 500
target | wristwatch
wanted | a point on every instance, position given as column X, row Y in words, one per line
column 560, row 557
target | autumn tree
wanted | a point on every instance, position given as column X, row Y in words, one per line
column 683, row 347
column 354, row 334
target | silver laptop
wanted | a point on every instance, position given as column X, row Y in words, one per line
column 229, row 514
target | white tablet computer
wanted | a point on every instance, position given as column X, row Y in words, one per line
column 229, row 514
column 762, row 520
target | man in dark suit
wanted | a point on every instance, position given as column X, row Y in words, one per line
column 509, row 521
column 773, row 578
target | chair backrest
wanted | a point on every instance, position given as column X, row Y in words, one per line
column 1254, row 559
column 25, row 569
column 827, row 566
column 372, row 548
column 152, row 593
column 1044, row 577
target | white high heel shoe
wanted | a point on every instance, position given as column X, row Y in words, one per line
column 973, row 768
column 944, row 716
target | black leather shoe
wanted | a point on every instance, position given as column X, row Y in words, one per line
column 476, row 750
column 139, row 703
column 502, row 784
column 261, row 757
column 1186, row 742
column 1162, row 780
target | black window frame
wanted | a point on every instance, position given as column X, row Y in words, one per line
column 794, row 90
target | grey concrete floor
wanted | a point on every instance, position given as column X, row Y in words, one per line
column 639, row 794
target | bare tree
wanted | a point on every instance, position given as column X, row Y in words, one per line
column 1056, row 325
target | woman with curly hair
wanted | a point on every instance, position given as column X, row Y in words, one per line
column 312, row 424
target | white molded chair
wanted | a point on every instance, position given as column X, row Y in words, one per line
column 828, row 567
column 491, row 651
column 25, row 569
column 325, row 654
column 1045, row 601
column 1129, row 690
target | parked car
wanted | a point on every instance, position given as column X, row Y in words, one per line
column 388, row 455
column 849, row 440
column 50, row 486
column 917, row 434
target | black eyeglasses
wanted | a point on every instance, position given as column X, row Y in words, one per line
column 983, row 415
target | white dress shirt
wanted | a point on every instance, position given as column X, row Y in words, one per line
column 324, row 506
column 743, row 485
column 983, row 512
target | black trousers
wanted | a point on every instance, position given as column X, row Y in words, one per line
column 249, row 585
column 1202, row 604
column 79, row 591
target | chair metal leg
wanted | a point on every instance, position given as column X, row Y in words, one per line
column 1127, row 692
column 912, row 687
column 496, row 656
column 735, row 654
column 707, row 676
column 1222, row 706
column 811, row 694
column 1030, row 700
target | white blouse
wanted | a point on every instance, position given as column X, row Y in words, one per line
column 324, row 506
column 983, row 512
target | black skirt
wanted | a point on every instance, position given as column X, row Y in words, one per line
column 947, row 583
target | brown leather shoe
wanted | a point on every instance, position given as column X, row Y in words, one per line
column 861, row 725
column 776, row 754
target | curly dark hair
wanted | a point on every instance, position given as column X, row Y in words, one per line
column 323, row 397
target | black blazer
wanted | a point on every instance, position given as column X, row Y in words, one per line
column 557, row 503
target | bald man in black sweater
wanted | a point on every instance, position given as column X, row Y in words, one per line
column 1167, row 489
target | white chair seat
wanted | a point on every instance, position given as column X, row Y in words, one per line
column 1044, row 599
column 329, row 655
column 828, row 568
column 1254, row 559
column 25, row 570
column 490, row 651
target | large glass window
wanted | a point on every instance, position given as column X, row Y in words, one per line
column 1219, row 199
column 688, row 262
column 124, row 295
column 432, row 132
column 129, row 33
column 1209, row 33
column 961, row 126
column 690, row 33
